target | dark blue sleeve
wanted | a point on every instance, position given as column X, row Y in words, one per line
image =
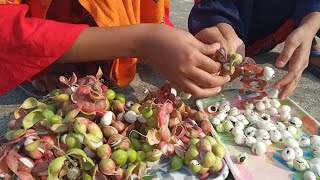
column 208, row 13
column 304, row 7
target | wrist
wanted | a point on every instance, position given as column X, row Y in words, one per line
column 310, row 23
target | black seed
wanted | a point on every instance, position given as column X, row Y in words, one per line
column 265, row 118
column 242, row 159
column 213, row 108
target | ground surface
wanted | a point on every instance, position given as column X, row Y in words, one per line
column 307, row 94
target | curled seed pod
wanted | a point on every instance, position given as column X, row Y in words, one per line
column 309, row 175
column 260, row 106
column 220, row 128
column 231, row 119
column 272, row 111
column 275, row 135
column 248, row 112
column 315, row 168
column 234, row 111
column 284, row 108
column 263, row 134
column 239, row 124
column 298, row 151
column 249, row 106
column 250, row 131
column 280, row 126
column 275, row 103
column 304, row 142
column 250, row 141
column 267, row 104
column 291, row 129
column 221, row 116
column 314, row 139
column 240, row 117
column 242, row 158
column 259, row 148
column 285, row 116
column 228, row 125
column 240, row 139
column 295, row 121
column 273, row 93
column 291, row 142
column 285, row 134
column 237, row 131
column 268, row 73
column 264, row 117
column 300, row 164
column 288, row 154
column 215, row 121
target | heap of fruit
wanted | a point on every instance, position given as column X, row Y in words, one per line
column 87, row 131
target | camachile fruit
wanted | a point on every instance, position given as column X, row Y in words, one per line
column 192, row 133
column 136, row 145
column 121, row 174
column 206, row 127
column 218, row 150
column 132, row 155
column 140, row 156
column 176, row 163
column 121, row 98
column 110, row 94
column 204, row 145
column 193, row 141
column 217, row 166
column 194, row 166
column 119, row 157
column 200, row 116
column 72, row 141
column 211, row 139
column 192, row 152
column 146, row 147
column 124, row 144
column 153, row 155
column 152, row 122
column 209, row 159
column 118, row 105
column 107, row 166
column 104, row 151
column 118, row 125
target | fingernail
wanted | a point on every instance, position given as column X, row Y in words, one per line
column 280, row 64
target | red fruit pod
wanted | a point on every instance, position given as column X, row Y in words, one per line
column 109, row 131
column 192, row 133
column 184, row 139
column 200, row 116
column 107, row 166
column 37, row 154
column 48, row 141
column 120, row 126
column 166, row 148
column 25, row 164
column 206, row 127
column 165, row 134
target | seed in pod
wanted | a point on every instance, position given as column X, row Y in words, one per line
column 291, row 129
column 245, row 122
column 263, row 134
column 263, row 125
column 273, row 93
column 285, row 116
column 259, row 148
column 280, row 126
column 129, row 104
column 239, row 124
column 73, row 173
column 240, row 117
column 215, row 121
column 267, row 104
column 284, row 108
column 130, row 116
column 309, row 175
column 234, row 111
column 316, row 146
column 204, row 145
column 315, row 168
column 314, row 139
column 250, row 141
column 253, row 118
column 237, row 131
column 267, row 142
column 221, row 116
column 242, row 158
column 232, row 119
column 316, row 153
column 291, row 142
column 300, row 164
column 304, row 142
column 268, row 73
column 295, row 121
column 220, row 128
column 250, row 131
column 285, row 134
column 247, row 112
column 298, row 151
column 240, row 139
column 213, row 108
column 264, row 117
column 288, row 154
column 272, row 111
column 249, row 106
column 227, row 125
column 275, row 103
column 275, row 135
column 194, row 166
column 260, row 106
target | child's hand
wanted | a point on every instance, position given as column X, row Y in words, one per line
column 225, row 35
column 184, row 60
column 296, row 51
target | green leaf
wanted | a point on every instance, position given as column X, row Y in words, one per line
column 147, row 177
column 78, row 152
column 29, row 103
column 55, row 167
column 59, row 128
column 32, row 118
column 129, row 171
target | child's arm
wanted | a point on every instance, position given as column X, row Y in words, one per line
column 30, row 42
column 297, row 51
